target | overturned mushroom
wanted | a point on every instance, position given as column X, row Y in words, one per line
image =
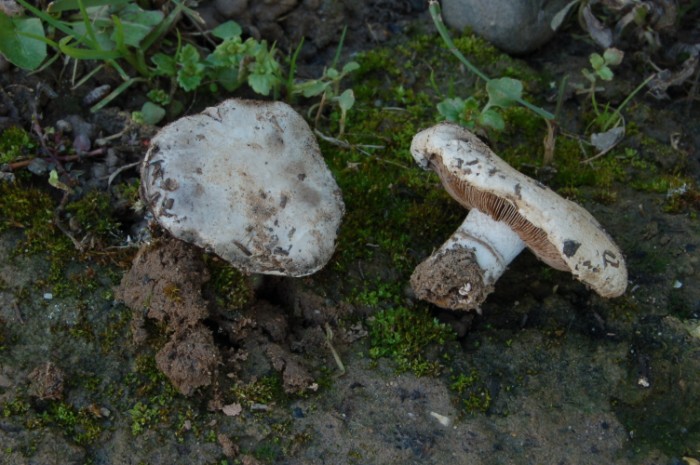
column 508, row 212
column 246, row 180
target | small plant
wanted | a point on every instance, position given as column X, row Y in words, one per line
column 503, row 92
column 328, row 87
column 607, row 127
column 601, row 69
column 121, row 33
column 231, row 64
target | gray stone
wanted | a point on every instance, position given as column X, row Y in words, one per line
column 514, row 26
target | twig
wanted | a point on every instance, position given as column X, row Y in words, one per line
column 24, row 163
column 18, row 313
column 119, row 170
column 329, row 343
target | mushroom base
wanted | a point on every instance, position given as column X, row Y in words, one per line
column 451, row 278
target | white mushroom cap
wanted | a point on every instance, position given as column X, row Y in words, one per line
column 558, row 231
column 246, row 180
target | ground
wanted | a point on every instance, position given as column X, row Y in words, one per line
column 121, row 345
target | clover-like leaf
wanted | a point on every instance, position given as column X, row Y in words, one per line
column 504, row 92
column 613, row 56
column 165, row 65
column 227, row 30
column 492, row 119
column 346, row 100
column 261, row 83
column 350, row 67
column 451, row 109
column 20, row 43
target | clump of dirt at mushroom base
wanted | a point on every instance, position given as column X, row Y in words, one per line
column 166, row 289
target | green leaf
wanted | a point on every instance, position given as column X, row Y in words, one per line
column 492, row 119
column 451, row 108
column 191, row 70
column 350, row 67
column 504, row 92
column 227, row 77
column 55, row 182
column 165, row 65
column 332, row 73
column 597, row 61
column 20, row 41
column 64, row 5
column 261, row 83
column 86, row 53
column 613, row 56
column 605, row 73
column 188, row 81
column 312, row 88
column 152, row 113
column 346, row 100
column 137, row 24
column 227, row 30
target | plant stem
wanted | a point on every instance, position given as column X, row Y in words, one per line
column 624, row 103
column 435, row 13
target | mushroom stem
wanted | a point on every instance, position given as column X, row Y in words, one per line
column 462, row 272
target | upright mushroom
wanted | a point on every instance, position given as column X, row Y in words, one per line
column 246, row 180
column 508, row 212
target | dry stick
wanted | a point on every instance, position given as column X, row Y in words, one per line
column 329, row 343
column 24, row 163
column 119, row 170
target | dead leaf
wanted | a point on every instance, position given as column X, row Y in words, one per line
column 605, row 141
column 600, row 34
column 666, row 78
column 549, row 142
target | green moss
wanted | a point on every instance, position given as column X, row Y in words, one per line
column 378, row 293
column 407, row 337
column 79, row 425
column 154, row 401
column 93, row 214
column 17, row 406
column 15, row 143
column 472, row 391
column 232, row 290
column 266, row 390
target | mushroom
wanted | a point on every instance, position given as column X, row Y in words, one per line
column 508, row 212
column 246, row 180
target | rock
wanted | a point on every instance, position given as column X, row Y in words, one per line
column 230, row 8
column 513, row 26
